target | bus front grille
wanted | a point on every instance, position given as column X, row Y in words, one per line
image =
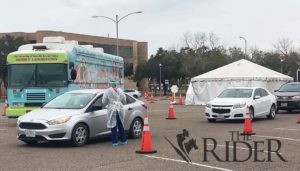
column 36, row 96
column 33, row 104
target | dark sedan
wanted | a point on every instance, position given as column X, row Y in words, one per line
column 288, row 96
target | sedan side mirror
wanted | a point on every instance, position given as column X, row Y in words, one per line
column 275, row 90
column 256, row 97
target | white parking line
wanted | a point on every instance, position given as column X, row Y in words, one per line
column 288, row 129
column 3, row 129
column 289, row 139
column 182, row 161
column 241, row 148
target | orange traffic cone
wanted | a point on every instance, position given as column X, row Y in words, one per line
column 298, row 120
column 145, row 95
column 171, row 112
column 5, row 107
column 146, row 144
column 172, row 98
column 180, row 100
column 151, row 99
column 247, row 126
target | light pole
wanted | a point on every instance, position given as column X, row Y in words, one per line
column 245, row 45
column 117, row 20
column 160, row 65
column 281, row 61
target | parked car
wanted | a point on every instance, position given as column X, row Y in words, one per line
column 288, row 96
column 133, row 92
column 77, row 116
column 233, row 103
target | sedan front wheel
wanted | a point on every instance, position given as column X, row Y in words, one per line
column 79, row 135
column 251, row 111
column 136, row 128
column 272, row 113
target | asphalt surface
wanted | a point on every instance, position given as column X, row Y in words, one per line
column 99, row 155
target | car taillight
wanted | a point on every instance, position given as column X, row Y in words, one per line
column 57, row 90
column 14, row 91
column 144, row 105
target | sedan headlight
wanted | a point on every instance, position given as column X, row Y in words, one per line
column 208, row 105
column 296, row 97
column 239, row 105
column 19, row 120
column 59, row 120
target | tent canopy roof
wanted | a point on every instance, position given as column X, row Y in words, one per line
column 242, row 70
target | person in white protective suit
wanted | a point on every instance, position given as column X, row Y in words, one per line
column 114, row 99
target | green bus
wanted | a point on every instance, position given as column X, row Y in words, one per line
column 40, row 72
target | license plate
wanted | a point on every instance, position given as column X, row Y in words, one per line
column 29, row 133
column 284, row 104
column 221, row 116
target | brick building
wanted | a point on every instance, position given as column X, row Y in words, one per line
column 132, row 51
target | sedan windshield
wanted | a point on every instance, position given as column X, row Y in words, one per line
column 290, row 88
column 236, row 93
column 70, row 101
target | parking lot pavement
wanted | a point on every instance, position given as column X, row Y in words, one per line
column 99, row 155
column 1, row 108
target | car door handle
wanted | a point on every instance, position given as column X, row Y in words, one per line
column 130, row 108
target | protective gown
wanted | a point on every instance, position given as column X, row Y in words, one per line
column 114, row 100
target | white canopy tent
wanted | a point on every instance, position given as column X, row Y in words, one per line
column 241, row 73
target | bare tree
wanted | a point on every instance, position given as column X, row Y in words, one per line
column 187, row 39
column 257, row 55
column 195, row 41
column 213, row 40
column 200, row 40
column 284, row 46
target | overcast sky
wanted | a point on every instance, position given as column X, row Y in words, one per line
column 163, row 22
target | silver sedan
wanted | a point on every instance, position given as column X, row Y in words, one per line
column 77, row 116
